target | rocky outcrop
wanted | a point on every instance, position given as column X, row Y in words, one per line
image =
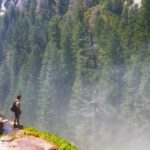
column 15, row 139
column 26, row 143
column 138, row 2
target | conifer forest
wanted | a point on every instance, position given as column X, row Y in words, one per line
column 82, row 68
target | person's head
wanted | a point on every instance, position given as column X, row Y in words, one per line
column 18, row 97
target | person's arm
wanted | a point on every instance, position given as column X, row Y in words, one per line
column 18, row 106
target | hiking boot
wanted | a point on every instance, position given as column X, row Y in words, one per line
column 20, row 126
column 15, row 126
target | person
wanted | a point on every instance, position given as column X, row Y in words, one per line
column 17, row 112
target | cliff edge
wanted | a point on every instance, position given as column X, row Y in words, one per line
column 28, row 139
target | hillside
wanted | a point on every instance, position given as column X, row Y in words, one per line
column 82, row 68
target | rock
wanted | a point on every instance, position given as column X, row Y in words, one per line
column 52, row 148
column 5, row 120
column 6, row 139
column 28, row 142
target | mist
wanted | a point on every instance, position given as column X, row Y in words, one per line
column 107, row 116
column 101, row 124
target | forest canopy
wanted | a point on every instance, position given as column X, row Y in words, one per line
column 64, row 57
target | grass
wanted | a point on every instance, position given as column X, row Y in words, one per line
column 61, row 143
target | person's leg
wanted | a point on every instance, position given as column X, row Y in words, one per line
column 15, row 120
column 18, row 119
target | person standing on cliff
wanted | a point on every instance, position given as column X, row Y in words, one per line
column 16, row 108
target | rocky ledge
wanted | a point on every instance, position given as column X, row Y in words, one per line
column 15, row 139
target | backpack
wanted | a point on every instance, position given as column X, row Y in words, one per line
column 13, row 107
